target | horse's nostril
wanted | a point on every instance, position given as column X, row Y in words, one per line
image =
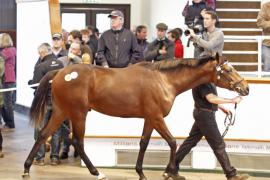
column 247, row 90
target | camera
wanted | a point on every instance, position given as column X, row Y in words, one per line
column 197, row 29
column 195, row 25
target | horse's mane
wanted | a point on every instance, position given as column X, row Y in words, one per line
column 167, row 65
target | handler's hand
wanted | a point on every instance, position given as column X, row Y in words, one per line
column 192, row 34
column 226, row 111
column 237, row 99
column 162, row 51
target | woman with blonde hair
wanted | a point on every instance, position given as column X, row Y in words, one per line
column 8, row 52
column 2, row 70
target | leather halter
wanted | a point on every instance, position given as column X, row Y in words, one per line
column 220, row 71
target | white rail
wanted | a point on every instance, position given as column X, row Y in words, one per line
column 259, row 40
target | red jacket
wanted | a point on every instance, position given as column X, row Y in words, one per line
column 179, row 49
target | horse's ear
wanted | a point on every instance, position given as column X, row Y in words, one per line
column 217, row 58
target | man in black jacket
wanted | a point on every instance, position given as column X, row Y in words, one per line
column 141, row 34
column 47, row 62
column 117, row 47
column 161, row 48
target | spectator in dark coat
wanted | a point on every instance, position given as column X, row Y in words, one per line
column 47, row 63
column 141, row 34
column 93, row 41
column 117, row 47
column 57, row 46
column 161, row 48
column 194, row 13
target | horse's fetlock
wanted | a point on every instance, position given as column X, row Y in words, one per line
column 27, row 164
column 95, row 172
column 138, row 169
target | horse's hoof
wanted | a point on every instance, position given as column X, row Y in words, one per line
column 143, row 178
column 169, row 176
column 102, row 177
column 166, row 176
column 25, row 175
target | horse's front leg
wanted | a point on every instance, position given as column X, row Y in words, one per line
column 162, row 129
column 1, row 142
column 147, row 131
column 78, row 129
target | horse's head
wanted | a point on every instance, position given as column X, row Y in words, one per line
column 227, row 77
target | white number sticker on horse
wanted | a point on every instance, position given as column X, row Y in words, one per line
column 67, row 77
column 74, row 75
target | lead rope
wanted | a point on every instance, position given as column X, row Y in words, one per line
column 229, row 121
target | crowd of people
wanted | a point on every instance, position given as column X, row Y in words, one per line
column 119, row 47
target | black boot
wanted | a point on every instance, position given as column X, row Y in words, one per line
column 64, row 155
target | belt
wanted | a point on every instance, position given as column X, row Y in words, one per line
column 204, row 109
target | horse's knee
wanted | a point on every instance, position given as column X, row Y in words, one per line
column 76, row 142
column 42, row 138
column 143, row 144
column 172, row 143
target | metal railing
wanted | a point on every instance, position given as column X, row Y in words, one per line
column 259, row 73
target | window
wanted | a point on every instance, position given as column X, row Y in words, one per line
column 95, row 15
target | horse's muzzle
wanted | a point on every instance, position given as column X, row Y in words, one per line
column 244, row 92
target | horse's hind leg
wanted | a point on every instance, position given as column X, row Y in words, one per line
column 147, row 131
column 1, row 142
column 78, row 128
column 53, row 124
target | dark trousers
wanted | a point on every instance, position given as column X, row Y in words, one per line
column 8, row 113
column 1, row 140
column 205, row 125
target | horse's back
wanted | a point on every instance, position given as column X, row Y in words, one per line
column 120, row 92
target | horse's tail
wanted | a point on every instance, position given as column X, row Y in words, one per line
column 39, row 103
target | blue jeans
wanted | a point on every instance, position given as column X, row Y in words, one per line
column 266, row 57
column 55, row 141
column 1, row 140
column 65, row 130
column 8, row 109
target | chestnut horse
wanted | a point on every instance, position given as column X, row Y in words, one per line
column 145, row 90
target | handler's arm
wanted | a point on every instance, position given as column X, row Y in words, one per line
column 220, row 100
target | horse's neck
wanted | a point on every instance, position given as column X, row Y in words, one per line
column 186, row 79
